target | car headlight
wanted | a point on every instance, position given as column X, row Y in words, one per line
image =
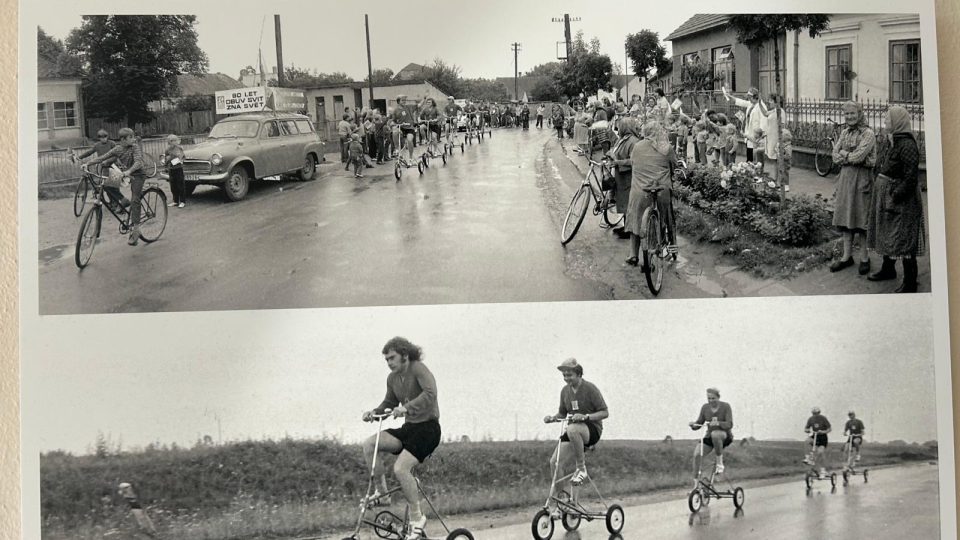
column 216, row 159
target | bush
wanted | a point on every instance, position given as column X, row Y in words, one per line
column 740, row 196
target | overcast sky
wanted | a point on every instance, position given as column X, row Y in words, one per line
column 310, row 373
column 475, row 36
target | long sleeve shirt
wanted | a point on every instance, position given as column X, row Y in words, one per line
column 754, row 119
column 723, row 414
column 99, row 148
column 130, row 158
column 415, row 389
column 859, row 146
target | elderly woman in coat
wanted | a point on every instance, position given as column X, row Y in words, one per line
column 896, row 229
column 651, row 160
column 620, row 154
column 856, row 153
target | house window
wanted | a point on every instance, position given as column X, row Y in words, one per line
column 905, row 69
column 64, row 114
column 838, row 72
column 723, row 68
column 767, row 75
column 691, row 58
column 42, row 116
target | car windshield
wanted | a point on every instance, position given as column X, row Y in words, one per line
column 235, row 128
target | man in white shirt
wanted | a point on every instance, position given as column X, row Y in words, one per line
column 755, row 118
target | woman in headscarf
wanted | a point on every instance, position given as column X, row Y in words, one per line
column 896, row 229
column 650, row 162
column 856, row 153
column 623, row 171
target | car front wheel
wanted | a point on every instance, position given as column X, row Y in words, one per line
column 237, row 184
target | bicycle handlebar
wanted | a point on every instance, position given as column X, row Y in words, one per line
column 387, row 413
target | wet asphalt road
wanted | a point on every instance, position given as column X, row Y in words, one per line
column 897, row 503
column 475, row 230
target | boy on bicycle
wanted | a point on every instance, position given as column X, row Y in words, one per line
column 412, row 394
column 405, row 117
column 817, row 426
column 583, row 402
column 718, row 417
column 854, row 428
column 129, row 158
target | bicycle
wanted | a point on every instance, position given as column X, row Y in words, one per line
column 655, row 242
column 386, row 524
column 433, row 146
column 572, row 512
column 153, row 217
column 850, row 467
column 814, row 475
column 704, row 488
column 823, row 158
column 591, row 187
column 84, row 187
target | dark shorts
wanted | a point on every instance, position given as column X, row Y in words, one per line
column 820, row 439
column 594, row 435
column 857, row 440
column 726, row 441
column 420, row 439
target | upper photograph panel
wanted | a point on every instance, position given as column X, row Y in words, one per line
column 211, row 162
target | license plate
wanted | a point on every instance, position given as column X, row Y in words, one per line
column 191, row 177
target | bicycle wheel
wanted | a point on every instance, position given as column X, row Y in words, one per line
column 149, row 165
column 80, row 196
column 575, row 212
column 87, row 236
column 823, row 159
column 610, row 215
column 652, row 250
column 153, row 214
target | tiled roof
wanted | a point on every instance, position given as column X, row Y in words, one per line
column 525, row 84
column 209, row 83
column 410, row 71
column 698, row 23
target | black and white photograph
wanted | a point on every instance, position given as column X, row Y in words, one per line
column 246, row 439
column 262, row 164
column 465, row 271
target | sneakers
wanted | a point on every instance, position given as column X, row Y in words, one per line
column 807, row 460
column 416, row 529
column 134, row 238
column 857, row 458
column 786, row 188
column 823, row 472
column 378, row 499
column 181, row 205
column 554, row 512
column 719, row 468
column 578, row 477
column 171, row 203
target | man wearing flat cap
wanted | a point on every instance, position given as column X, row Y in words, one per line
column 582, row 402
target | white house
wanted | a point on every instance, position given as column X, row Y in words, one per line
column 326, row 103
column 59, row 107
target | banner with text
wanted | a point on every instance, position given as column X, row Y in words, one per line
column 241, row 100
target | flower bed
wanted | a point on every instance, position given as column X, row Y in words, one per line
column 740, row 208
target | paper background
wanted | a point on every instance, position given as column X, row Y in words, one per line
column 948, row 43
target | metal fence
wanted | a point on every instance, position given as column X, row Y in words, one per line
column 807, row 118
column 54, row 166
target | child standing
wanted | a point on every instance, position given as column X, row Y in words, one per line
column 173, row 157
column 730, row 152
column 356, row 155
column 700, row 142
column 759, row 147
column 786, row 157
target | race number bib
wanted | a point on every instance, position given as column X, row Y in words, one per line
column 575, row 405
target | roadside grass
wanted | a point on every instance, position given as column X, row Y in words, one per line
column 292, row 488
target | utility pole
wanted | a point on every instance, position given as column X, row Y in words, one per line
column 276, row 30
column 516, row 74
column 366, row 24
column 566, row 30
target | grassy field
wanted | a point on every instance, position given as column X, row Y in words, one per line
column 280, row 489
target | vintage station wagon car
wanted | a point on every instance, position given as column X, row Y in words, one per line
column 252, row 146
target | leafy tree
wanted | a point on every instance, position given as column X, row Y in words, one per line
column 444, row 76
column 483, row 90
column 198, row 102
column 585, row 72
column 380, row 76
column 754, row 30
column 646, row 52
column 545, row 70
column 132, row 60
column 545, row 90
column 302, row 78
column 696, row 79
column 53, row 50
